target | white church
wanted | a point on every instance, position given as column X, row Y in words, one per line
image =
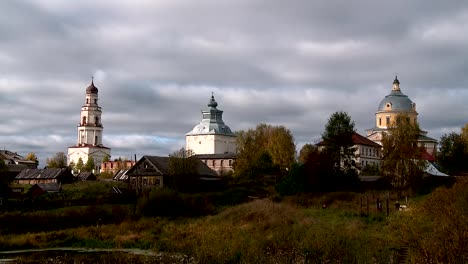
column 212, row 140
column 90, row 131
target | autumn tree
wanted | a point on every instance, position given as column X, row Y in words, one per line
column 338, row 144
column 402, row 163
column 57, row 161
column 264, row 150
column 32, row 157
column 464, row 133
column 453, row 153
column 305, row 151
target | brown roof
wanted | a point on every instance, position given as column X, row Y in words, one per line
column 357, row 140
column 360, row 140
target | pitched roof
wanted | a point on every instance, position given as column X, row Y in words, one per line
column 49, row 187
column 50, row 173
column 121, row 175
column 85, row 175
column 357, row 140
column 426, row 156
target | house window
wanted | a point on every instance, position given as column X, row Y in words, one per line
column 84, row 120
column 213, row 163
column 230, row 162
column 95, row 101
column 87, row 101
column 95, row 140
column 222, row 163
column 380, row 121
column 388, row 120
column 96, row 120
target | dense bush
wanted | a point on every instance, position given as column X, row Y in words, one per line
column 436, row 231
column 24, row 222
column 167, row 202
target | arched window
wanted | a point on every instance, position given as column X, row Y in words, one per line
column 84, row 120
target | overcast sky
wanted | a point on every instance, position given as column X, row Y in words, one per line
column 290, row 63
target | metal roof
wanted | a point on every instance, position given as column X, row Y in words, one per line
column 398, row 100
column 212, row 122
column 50, row 173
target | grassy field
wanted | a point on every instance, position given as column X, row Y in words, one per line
column 293, row 230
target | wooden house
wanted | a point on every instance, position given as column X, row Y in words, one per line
column 153, row 172
column 41, row 188
column 50, row 175
column 86, row 176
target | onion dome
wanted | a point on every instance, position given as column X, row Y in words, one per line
column 212, row 103
column 91, row 88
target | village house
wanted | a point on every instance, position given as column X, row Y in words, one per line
column 86, row 176
column 15, row 163
column 40, row 188
column 153, row 172
column 366, row 153
column 50, row 175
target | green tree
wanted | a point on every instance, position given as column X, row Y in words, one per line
column 106, row 158
column 3, row 166
column 4, row 180
column 305, row 151
column 338, row 144
column 264, row 150
column 453, row 153
column 89, row 164
column 57, row 161
column 79, row 165
column 402, row 163
column 32, row 157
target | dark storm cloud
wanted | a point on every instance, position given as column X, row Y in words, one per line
column 288, row 63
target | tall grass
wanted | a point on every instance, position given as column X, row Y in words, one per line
column 296, row 230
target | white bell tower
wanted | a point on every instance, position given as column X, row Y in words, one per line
column 90, row 130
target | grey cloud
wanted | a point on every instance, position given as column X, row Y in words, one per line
column 287, row 63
